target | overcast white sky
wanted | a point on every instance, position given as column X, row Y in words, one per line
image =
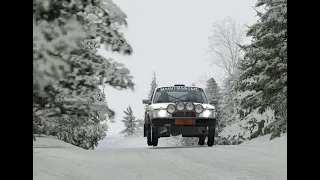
column 170, row 38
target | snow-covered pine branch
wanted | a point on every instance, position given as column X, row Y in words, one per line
column 67, row 72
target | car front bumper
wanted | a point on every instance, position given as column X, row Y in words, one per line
column 171, row 121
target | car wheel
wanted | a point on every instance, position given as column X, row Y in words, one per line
column 201, row 140
column 149, row 135
column 155, row 136
column 211, row 135
column 144, row 130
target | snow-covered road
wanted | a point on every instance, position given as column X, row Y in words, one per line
column 253, row 160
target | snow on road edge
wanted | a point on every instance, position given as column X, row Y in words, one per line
column 55, row 159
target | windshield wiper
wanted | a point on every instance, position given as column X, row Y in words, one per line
column 178, row 98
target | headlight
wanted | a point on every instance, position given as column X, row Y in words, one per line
column 180, row 106
column 160, row 113
column 189, row 106
column 208, row 113
column 171, row 108
column 198, row 108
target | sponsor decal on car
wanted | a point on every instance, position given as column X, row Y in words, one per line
column 179, row 88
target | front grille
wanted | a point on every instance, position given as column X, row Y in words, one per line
column 184, row 114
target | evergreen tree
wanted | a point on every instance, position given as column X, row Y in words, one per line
column 67, row 71
column 83, row 128
column 153, row 85
column 265, row 66
column 130, row 123
column 213, row 93
column 212, row 90
column 228, row 104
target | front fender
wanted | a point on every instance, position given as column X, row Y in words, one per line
column 146, row 118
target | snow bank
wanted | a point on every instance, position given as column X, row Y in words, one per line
column 119, row 141
column 49, row 142
column 242, row 130
column 265, row 140
column 56, row 160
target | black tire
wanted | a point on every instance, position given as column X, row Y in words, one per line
column 155, row 136
column 149, row 135
column 144, row 130
column 211, row 133
column 201, row 140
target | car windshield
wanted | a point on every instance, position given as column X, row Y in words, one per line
column 179, row 93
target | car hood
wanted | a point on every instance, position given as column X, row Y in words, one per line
column 164, row 105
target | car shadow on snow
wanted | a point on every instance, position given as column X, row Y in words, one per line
column 177, row 147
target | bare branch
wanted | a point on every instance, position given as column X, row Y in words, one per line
column 203, row 79
column 258, row 13
column 224, row 44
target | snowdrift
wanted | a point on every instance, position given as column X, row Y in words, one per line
column 118, row 141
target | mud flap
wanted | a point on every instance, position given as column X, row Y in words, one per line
column 144, row 130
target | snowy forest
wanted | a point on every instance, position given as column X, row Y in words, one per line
column 69, row 104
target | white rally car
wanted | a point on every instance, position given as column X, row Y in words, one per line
column 179, row 110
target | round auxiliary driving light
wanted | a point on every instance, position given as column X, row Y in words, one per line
column 198, row 108
column 189, row 106
column 171, row 108
column 180, row 106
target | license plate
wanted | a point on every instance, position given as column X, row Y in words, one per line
column 185, row 121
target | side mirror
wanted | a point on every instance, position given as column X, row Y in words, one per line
column 146, row 101
column 214, row 102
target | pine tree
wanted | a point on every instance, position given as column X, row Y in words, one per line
column 213, row 93
column 213, row 90
column 130, row 123
column 153, row 85
column 67, row 102
column 265, row 66
column 228, row 104
column 85, row 128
